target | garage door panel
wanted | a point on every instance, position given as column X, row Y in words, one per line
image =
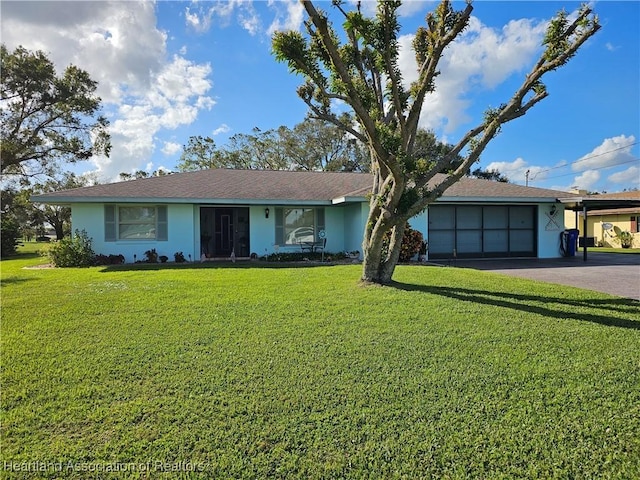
column 469, row 217
column 496, row 217
column 521, row 241
column 441, row 242
column 469, row 241
column 482, row 230
column 496, row 241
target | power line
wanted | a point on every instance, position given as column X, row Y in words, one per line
column 584, row 160
column 635, row 159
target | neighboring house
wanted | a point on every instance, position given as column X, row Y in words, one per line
column 213, row 213
column 601, row 222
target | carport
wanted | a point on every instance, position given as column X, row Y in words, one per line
column 591, row 203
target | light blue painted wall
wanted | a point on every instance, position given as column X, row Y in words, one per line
column 90, row 217
column 344, row 225
column 354, row 221
column 548, row 232
column 263, row 230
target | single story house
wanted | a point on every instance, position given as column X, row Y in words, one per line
column 620, row 210
column 212, row 213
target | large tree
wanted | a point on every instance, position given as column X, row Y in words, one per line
column 45, row 118
column 58, row 216
column 363, row 72
column 312, row 145
column 316, row 145
column 201, row 153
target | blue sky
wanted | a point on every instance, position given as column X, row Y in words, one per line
column 170, row 70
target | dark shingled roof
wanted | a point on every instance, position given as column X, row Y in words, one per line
column 632, row 195
column 480, row 188
column 227, row 184
column 604, row 202
column 271, row 185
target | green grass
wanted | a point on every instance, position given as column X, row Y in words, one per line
column 299, row 372
column 614, row 250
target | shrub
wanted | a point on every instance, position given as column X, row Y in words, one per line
column 108, row 259
column 9, row 234
column 412, row 243
column 151, row 256
column 74, row 251
column 302, row 256
column 179, row 257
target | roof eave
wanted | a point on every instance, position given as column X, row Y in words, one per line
column 59, row 200
column 528, row 200
column 348, row 199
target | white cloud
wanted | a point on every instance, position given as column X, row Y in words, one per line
column 116, row 42
column 612, row 151
column 516, row 171
column 291, row 19
column 609, row 46
column 119, row 44
column 200, row 18
column 171, row 148
column 224, row 128
column 630, row 176
column 480, row 59
column 587, row 180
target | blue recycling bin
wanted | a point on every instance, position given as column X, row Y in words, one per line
column 572, row 243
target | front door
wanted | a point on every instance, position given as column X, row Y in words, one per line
column 224, row 230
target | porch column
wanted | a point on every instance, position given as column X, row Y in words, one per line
column 584, row 232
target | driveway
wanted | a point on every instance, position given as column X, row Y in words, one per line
column 616, row 274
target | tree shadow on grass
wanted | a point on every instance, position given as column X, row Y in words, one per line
column 14, row 281
column 540, row 305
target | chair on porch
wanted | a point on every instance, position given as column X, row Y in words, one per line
column 320, row 245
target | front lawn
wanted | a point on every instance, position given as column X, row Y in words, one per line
column 299, row 372
column 614, row 250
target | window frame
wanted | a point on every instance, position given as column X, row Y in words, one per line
column 113, row 223
column 283, row 232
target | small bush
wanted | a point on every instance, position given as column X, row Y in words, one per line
column 74, row 251
column 179, row 257
column 151, row 256
column 412, row 243
column 108, row 259
column 9, row 236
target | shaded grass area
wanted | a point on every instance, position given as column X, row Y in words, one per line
column 302, row 373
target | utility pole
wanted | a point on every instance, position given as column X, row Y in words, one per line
column 526, row 178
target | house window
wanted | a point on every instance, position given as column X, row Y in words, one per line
column 298, row 225
column 147, row 222
column 634, row 225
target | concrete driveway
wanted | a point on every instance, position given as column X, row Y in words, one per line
column 616, row 274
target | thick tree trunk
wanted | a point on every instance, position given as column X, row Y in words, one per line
column 376, row 267
column 59, row 228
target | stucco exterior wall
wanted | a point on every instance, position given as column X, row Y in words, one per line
column 263, row 230
column 344, row 226
column 90, row 217
column 354, row 219
column 549, row 229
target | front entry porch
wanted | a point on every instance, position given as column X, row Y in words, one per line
column 223, row 231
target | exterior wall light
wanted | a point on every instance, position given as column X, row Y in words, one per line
column 266, row 212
